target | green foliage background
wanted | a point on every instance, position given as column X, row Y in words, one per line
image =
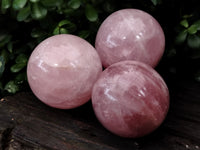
column 25, row 23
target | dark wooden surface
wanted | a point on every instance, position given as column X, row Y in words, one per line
column 26, row 124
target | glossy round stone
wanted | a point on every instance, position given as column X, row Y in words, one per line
column 130, row 34
column 62, row 71
column 130, row 99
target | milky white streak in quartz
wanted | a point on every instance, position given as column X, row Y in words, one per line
column 130, row 34
column 130, row 99
column 62, row 70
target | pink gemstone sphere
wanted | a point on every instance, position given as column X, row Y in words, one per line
column 130, row 99
column 130, row 34
column 62, row 71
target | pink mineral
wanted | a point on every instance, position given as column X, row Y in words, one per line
column 62, row 71
column 130, row 34
column 130, row 99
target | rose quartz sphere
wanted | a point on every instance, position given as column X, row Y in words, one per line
column 130, row 34
column 62, row 71
column 130, row 99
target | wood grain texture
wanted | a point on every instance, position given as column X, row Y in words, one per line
column 26, row 124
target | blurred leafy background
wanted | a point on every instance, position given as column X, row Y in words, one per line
column 25, row 23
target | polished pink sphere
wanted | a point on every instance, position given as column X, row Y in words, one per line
column 62, row 71
column 130, row 99
column 130, row 34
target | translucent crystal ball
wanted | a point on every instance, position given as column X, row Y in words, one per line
column 62, row 71
column 130, row 99
column 130, row 34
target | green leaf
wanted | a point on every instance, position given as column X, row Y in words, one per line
column 17, row 67
column 155, row 2
column 56, row 31
column 63, row 22
column 52, row 3
column 63, row 31
column 184, row 23
column 193, row 41
column 84, row 34
column 21, row 58
column 38, row 11
column 34, row 1
column 4, row 39
column 11, row 87
column 75, row 4
column 197, row 24
column 5, row 4
column 20, row 78
column 188, row 16
column 68, row 12
column 192, row 29
column 18, row 4
column 181, row 37
column 91, row 13
column 23, row 13
column 67, row 25
column 2, row 65
column 6, row 55
column 36, row 32
column 10, row 47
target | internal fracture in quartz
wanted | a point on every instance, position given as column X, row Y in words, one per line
column 62, row 71
column 130, row 34
column 130, row 99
